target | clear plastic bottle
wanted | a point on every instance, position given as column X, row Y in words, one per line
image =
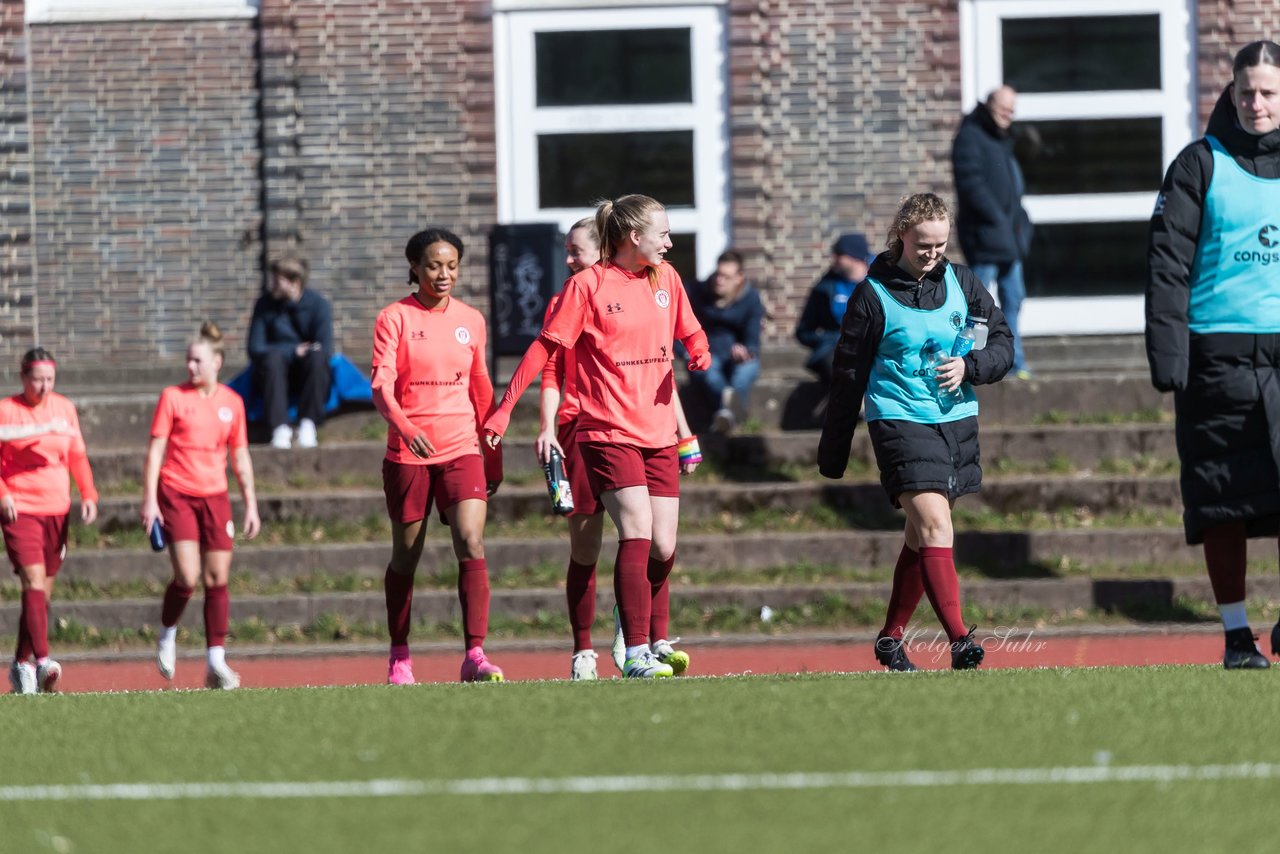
column 934, row 358
column 979, row 330
column 966, row 339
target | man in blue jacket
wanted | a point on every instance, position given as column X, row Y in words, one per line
column 819, row 324
column 993, row 229
column 290, row 342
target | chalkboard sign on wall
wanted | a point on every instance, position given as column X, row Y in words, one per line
column 526, row 268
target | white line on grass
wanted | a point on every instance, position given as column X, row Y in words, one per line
column 612, row 785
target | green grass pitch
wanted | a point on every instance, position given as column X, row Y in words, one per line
column 574, row 740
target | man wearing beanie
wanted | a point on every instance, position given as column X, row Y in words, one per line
column 819, row 324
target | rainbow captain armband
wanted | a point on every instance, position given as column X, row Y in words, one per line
column 688, row 450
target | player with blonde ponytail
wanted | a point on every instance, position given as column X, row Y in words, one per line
column 619, row 318
column 185, row 492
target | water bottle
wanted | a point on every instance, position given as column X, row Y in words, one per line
column 558, row 484
column 934, row 358
column 979, row 331
column 157, row 537
column 966, row 339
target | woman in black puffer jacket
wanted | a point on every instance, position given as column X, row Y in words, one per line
column 927, row 453
column 1213, row 331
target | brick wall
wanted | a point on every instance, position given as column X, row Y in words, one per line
column 394, row 132
column 836, row 110
column 1222, row 28
column 145, row 141
column 17, row 283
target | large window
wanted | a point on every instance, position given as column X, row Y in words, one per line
column 1104, row 105
column 596, row 103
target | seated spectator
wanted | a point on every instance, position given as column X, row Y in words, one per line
column 819, row 324
column 731, row 313
column 290, row 341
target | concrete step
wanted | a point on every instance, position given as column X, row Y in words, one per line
column 864, row 500
column 1132, row 598
column 124, row 420
column 999, row 554
column 1081, row 445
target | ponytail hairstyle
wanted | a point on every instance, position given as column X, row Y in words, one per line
column 913, row 210
column 418, row 244
column 615, row 220
column 211, row 335
column 36, row 354
column 1255, row 54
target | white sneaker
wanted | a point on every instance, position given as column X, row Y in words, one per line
column 619, row 649
column 48, row 675
column 647, row 666
column 723, row 422
column 282, row 437
column 166, row 658
column 22, row 678
column 307, row 433
column 584, row 666
column 221, row 676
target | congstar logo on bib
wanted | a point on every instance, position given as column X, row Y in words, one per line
column 1269, row 239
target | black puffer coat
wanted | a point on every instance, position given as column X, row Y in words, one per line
column 1226, row 385
column 910, row 456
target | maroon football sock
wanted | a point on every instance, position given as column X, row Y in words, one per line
column 580, row 591
column 631, row 589
column 35, row 616
column 938, row 569
column 660, row 596
column 176, row 597
column 473, row 594
column 217, row 615
column 908, row 588
column 1226, row 557
column 399, row 592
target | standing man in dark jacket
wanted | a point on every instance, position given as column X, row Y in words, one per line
column 993, row 228
column 1213, row 331
column 290, row 342
column 819, row 324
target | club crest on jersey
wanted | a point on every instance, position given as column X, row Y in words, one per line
column 462, row 335
column 957, row 321
column 224, row 414
column 663, row 298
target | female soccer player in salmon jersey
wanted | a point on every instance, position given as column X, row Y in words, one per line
column 620, row 318
column 431, row 384
column 185, row 492
column 559, row 428
column 40, row 443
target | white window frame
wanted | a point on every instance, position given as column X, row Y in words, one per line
column 982, row 70
column 79, row 11
column 519, row 120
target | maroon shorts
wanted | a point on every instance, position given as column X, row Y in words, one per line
column 611, row 466
column 410, row 489
column 31, row 539
column 204, row 519
column 585, row 502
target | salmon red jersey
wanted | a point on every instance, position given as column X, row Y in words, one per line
column 199, row 431
column 34, row 470
column 562, row 369
column 622, row 329
column 431, row 363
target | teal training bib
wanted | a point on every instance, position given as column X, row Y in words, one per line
column 898, row 388
column 1235, row 279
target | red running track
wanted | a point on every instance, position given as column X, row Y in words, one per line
column 283, row 670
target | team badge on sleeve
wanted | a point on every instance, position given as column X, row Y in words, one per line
column 462, row 335
column 663, row 298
